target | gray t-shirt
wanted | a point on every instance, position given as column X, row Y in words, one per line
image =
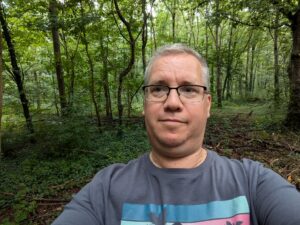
column 220, row 191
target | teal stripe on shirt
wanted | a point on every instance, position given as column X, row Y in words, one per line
column 187, row 213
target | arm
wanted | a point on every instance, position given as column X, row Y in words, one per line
column 85, row 208
column 276, row 201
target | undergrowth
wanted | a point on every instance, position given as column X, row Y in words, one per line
column 68, row 152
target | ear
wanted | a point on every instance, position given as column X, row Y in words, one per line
column 208, row 102
column 143, row 112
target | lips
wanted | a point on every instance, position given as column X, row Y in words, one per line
column 172, row 120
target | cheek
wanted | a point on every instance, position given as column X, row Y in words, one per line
column 151, row 110
column 150, row 113
column 198, row 117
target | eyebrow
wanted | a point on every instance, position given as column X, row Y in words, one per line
column 159, row 82
column 163, row 82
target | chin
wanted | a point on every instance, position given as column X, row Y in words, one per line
column 172, row 142
column 174, row 152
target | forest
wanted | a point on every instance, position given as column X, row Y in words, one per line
column 71, row 99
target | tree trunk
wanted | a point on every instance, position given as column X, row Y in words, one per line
column 240, row 86
column 212, row 83
column 293, row 115
column 144, row 44
column 173, row 25
column 252, row 74
column 218, row 60
column 38, row 90
column 55, row 95
column 276, row 64
column 128, row 104
column 1, row 93
column 16, row 72
column 91, row 67
column 228, row 78
column 153, row 33
column 212, row 78
column 72, row 80
column 104, row 56
column 130, row 64
column 70, row 65
column 247, row 73
column 92, row 83
column 144, row 34
column 70, row 68
column 192, row 23
column 206, row 33
column 57, row 55
column 172, row 10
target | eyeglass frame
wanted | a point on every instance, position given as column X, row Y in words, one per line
column 176, row 88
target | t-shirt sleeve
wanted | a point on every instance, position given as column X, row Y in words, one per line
column 86, row 207
column 276, row 201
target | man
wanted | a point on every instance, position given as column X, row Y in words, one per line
column 179, row 182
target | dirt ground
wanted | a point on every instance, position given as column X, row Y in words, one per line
column 239, row 138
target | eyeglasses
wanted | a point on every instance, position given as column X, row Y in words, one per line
column 186, row 93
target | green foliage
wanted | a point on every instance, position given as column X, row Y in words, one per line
column 13, row 141
column 264, row 114
column 63, row 137
column 68, row 152
column 107, row 38
column 22, row 207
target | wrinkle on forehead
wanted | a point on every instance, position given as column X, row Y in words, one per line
column 179, row 69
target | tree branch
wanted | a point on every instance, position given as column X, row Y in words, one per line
column 249, row 24
column 115, row 19
column 120, row 14
column 288, row 14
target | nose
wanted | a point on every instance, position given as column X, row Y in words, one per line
column 173, row 102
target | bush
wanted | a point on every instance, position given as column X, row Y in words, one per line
column 62, row 138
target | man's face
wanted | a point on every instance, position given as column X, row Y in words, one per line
column 176, row 129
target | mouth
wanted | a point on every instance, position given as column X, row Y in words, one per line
column 171, row 120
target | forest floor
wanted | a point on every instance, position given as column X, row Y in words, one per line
column 236, row 135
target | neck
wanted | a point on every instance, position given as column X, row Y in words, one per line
column 186, row 162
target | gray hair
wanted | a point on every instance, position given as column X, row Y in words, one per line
column 174, row 49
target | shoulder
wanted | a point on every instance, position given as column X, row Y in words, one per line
column 251, row 168
column 248, row 172
column 119, row 171
column 242, row 165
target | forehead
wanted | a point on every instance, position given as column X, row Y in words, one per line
column 182, row 68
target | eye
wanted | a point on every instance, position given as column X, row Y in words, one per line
column 188, row 89
column 157, row 89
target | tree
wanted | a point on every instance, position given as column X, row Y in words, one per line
column 291, row 10
column 57, row 55
column 218, row 45
column 132, row 42
column 229, row 63
column 276, row 59
column 16, row 71
column 70, row 67
column 101, row 58
column 172, row 9
column 144, row 33
column 104, row 58
column 152, row 29
column 91, row 67
column 1, row 92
